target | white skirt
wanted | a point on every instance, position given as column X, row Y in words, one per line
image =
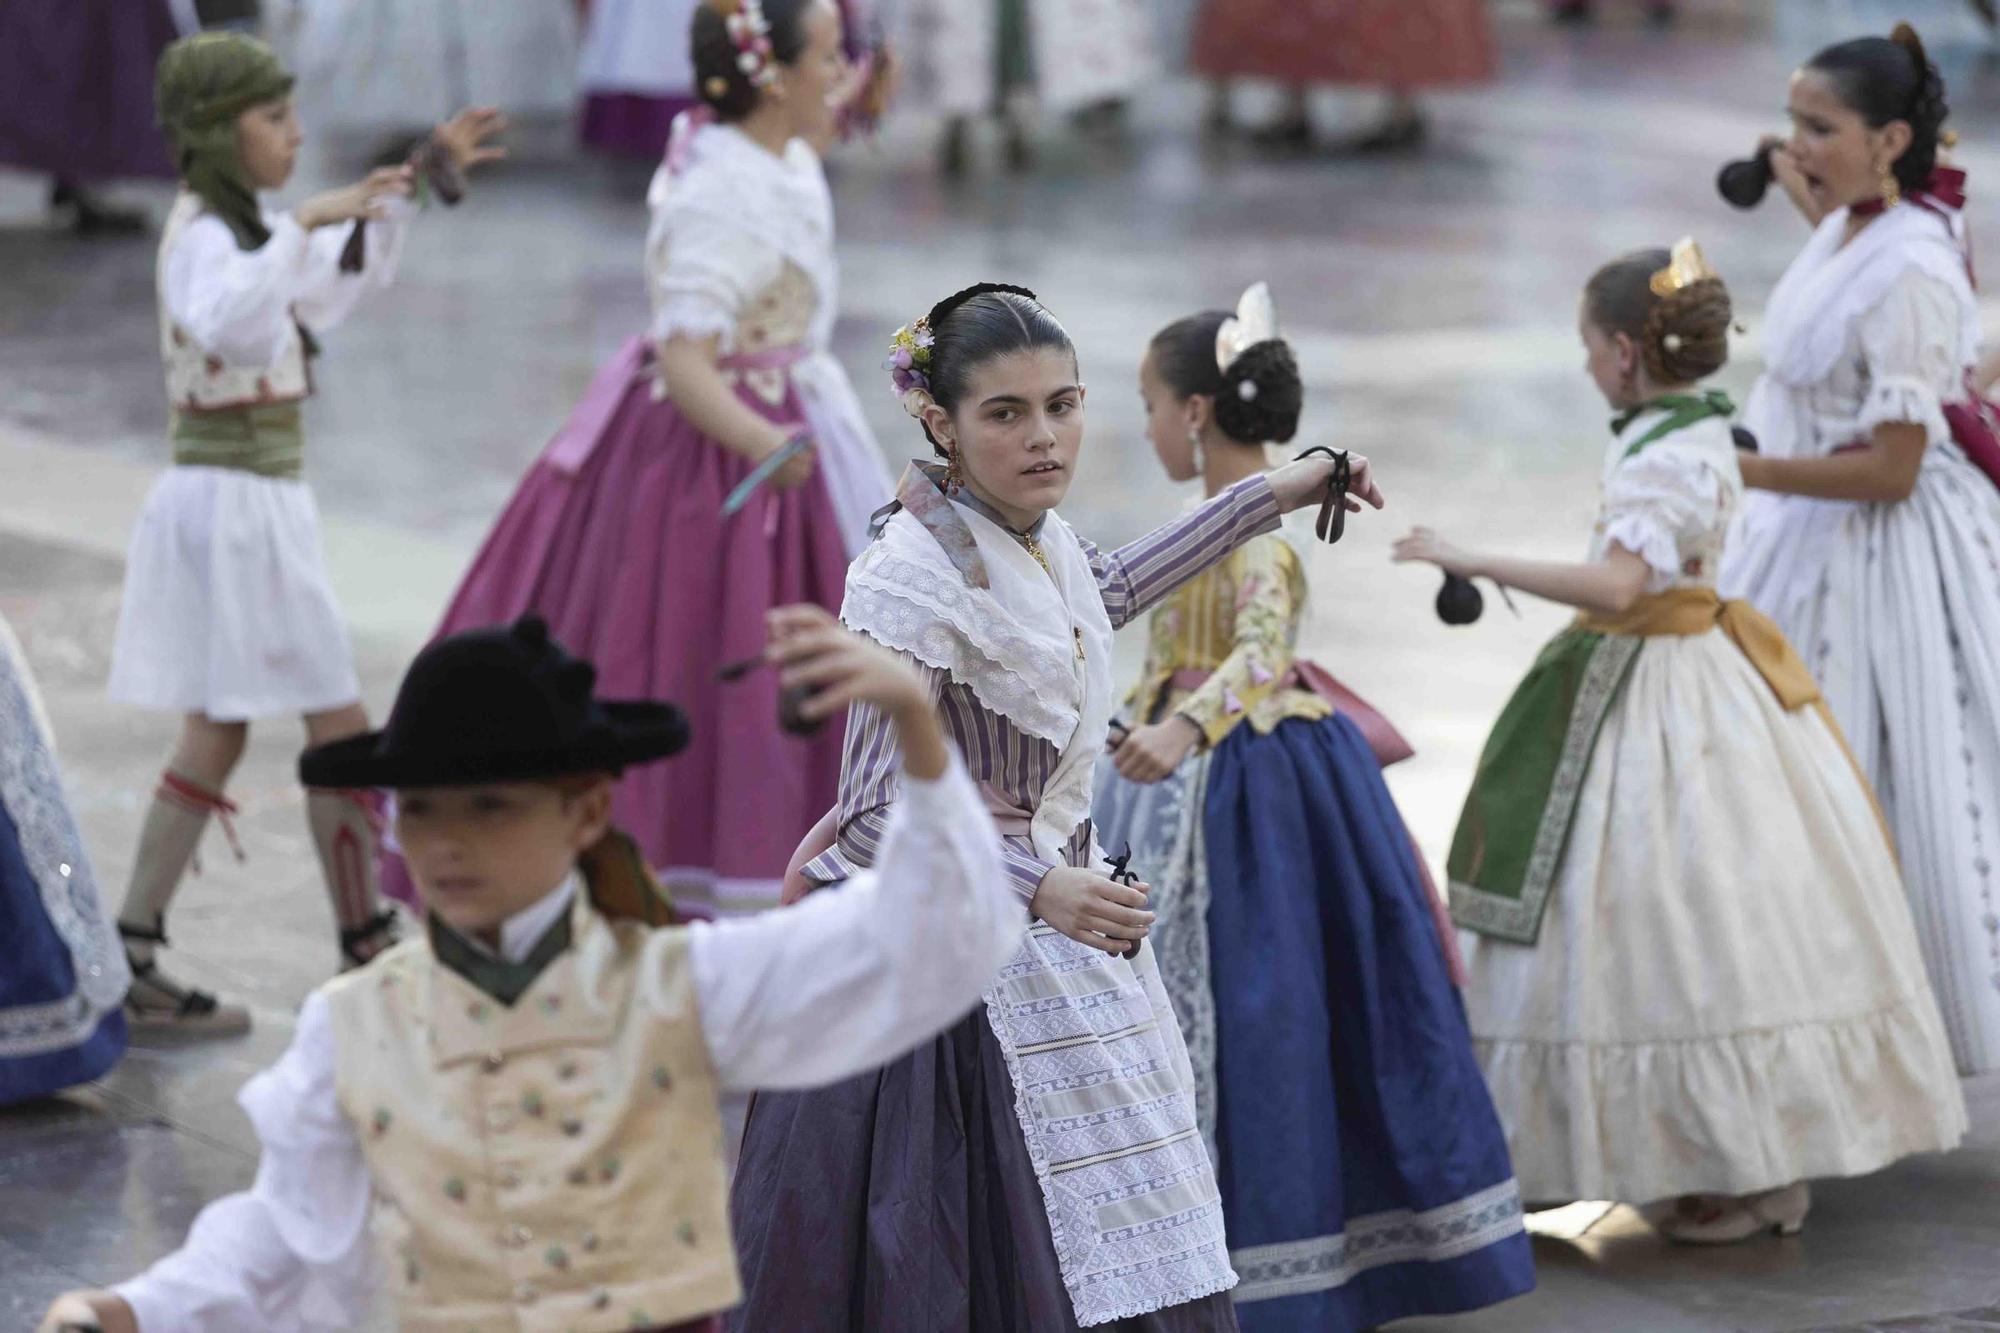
column 227, row 608
column 1903, row 633
column 1726, row 995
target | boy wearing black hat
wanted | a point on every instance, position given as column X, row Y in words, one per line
column 522, row 1106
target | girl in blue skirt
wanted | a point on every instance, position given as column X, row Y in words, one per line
column 1364, row 1174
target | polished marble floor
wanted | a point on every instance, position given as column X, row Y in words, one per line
column 1432, row 300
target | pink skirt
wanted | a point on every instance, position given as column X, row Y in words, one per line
column 616, row 539
column 1402, row 44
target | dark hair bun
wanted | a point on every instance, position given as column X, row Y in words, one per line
column 1686, row 336
column 718, row 79
column 1261, row 394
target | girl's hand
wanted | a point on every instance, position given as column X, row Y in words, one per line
column 1791, row 178
column 1304, row 481
column 1093, row 909
column 469, row 137
column 1151, row 753
column 99, row 1311
column 793, row 474
column 1426, row 547
column 814, row 651
column 363, row 199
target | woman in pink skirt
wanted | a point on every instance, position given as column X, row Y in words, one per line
column 617, row 536
column 1400, row 45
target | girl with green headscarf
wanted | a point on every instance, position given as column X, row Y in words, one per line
column 228, row 614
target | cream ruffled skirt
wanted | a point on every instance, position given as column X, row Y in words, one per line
column 1727, row 993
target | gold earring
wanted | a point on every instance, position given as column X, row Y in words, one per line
column 953, row 478
column 1892, row 191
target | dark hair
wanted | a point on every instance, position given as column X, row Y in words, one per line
column 1882, row 79
column 1268, row 409
column 1682, row 336
column 718, row 80
column 973, row 326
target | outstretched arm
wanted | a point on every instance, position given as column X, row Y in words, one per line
column 856, row 974
column 1606, row 587
column 237, row 1271
column 1136, row 577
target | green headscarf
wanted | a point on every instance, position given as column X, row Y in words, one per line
column 204, row 83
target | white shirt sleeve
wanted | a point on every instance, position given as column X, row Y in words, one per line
column 857, row 974
column 705, row 267
column 292, row 1253
column 1910, row 342
column 325, row 294
column 239, row 304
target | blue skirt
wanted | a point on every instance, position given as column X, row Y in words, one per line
column 62, row 969
column 1364, row 1173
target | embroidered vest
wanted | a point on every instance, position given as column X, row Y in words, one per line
column 552, row 1165
column 198, row 381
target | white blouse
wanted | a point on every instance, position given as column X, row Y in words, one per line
column 843, row 982
column 1670, row 504
column 726, row 226
column 239, row 304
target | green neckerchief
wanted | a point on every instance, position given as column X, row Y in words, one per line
column 1682, row 409
column 204, row 83
column 495, row 976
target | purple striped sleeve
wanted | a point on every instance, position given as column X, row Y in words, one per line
column 1138, row 575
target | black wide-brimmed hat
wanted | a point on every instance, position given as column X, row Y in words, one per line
column 497, row 705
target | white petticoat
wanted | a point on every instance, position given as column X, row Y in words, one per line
column 1727, row 994
column 227, row 608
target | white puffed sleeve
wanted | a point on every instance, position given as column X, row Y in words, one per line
column 1910, row 342
column 704, row 266
column 1662, row 505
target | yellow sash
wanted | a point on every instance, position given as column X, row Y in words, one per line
column 1687, row 611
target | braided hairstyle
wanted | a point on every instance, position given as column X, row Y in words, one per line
column 1682, row 337
column 1884, row 79
column 1268, row 409
column 975, row 325
column 718, row 80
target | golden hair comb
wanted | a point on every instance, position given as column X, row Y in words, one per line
column 1685, row 267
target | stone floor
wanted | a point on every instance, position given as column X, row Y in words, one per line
column 1432, row 301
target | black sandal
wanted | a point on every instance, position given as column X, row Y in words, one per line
column 192, row 1011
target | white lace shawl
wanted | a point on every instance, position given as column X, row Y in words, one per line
column 1013, row 644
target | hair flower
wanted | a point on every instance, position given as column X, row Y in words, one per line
column 750, row 33
column 909, row 364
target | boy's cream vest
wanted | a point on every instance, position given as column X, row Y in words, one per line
column 199, row 381
column 553, row 1165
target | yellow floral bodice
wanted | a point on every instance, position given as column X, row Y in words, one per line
column 1238, row 621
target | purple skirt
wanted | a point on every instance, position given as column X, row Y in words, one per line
column 616, row 539
column 904, row 1201
column 76, row 87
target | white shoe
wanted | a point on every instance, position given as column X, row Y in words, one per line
column 1781, row 1212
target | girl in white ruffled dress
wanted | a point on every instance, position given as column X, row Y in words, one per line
column 1870, row 535
column 1694, row 981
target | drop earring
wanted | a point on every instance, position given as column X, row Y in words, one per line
column 1194, row 446
column 953, row 478
column 1892, row 190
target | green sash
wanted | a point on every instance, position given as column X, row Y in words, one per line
column 1517, row 817
column 264, row 438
